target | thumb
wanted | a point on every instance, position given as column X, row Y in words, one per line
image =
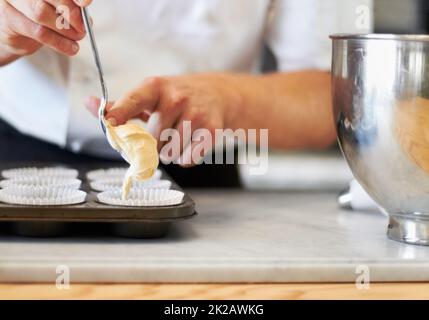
column 93, row 104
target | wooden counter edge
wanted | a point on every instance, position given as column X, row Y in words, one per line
column 217, row 291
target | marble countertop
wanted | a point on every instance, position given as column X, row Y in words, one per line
column 238, row 237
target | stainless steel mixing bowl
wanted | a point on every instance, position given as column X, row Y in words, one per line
column 381, row 107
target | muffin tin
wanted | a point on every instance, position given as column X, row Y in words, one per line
column 92, row 215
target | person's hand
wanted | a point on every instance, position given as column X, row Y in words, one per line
column 27, row 25
column 205, row 100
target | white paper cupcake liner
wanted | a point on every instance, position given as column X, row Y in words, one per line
column 41, row 196
column 106, row 173
column 114, row 173
column 42, row 182
column 116, row 183
column 63, row 173
column 142, row 198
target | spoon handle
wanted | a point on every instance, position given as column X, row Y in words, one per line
column 105, row 96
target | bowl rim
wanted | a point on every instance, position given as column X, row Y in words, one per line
column 380, row 36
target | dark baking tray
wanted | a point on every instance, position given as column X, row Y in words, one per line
column 134, row 222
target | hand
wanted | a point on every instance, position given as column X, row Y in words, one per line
column 205, row 100
column 27, row 25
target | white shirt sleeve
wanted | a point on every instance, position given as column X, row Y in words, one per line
column 298, row 30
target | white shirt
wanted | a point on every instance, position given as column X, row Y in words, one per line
column 43, row 95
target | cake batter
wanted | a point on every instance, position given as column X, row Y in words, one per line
column 140, row 150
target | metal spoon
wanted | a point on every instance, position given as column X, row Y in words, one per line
column 105, row 95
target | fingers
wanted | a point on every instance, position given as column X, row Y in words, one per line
column 183, row 143
column 49, row 38
column 194, row 153
column 196, row 140
column 170, row 109
column 142, row 100
column 93, row 104
column 42, row 13
column 21, row 27
column 192, row 125
column 183, row 128
column 71, row 11
column 192, row 150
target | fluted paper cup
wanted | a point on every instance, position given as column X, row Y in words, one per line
column 42, row 182
column 41, row 196
column 106, row 173
column 116, row 183
column 142, row 198
column 112, row 173
column 51, row 172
